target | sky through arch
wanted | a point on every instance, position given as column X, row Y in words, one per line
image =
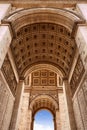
column 43, row 120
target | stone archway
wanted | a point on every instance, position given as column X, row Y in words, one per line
column 44, row 102
column 41, row 42
column 43, row 119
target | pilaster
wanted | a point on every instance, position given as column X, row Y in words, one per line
column 17, row 106
column 63, row 112
column 30, row 120
column 69, row 105
column 58, row 122
column 66, row 108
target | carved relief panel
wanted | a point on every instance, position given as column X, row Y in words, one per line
column 77, row 75
column 9, row 75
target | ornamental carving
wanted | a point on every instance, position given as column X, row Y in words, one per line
column 77, row 75
column 44, row 101
column 53, row 94
column 9, row 75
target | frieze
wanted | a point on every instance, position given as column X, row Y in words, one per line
column 9, row 75
column 77, row 75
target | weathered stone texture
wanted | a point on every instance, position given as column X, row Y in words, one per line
column 77, row 114
column 17, row 106
column 6, row 105
column 8, row 114
column 58, row 121
column 24, row 112
column 63, row 113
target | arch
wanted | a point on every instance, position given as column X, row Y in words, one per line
column 45, row 118
column 28, row 17
column 44, row 101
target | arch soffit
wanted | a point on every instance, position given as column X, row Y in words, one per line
column 39, row 99
column 36, row 15
column 45, row 109
column 32, row 42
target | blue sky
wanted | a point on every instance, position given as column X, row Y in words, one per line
column 43, row 120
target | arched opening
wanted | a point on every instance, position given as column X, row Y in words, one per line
column 44, row 67
column 46, row 44
column 43, row 120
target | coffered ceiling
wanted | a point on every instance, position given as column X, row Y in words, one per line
column 43, row 36
column 43, row 43
column 44, row 101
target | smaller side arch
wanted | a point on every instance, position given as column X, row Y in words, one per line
column 44, row 101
